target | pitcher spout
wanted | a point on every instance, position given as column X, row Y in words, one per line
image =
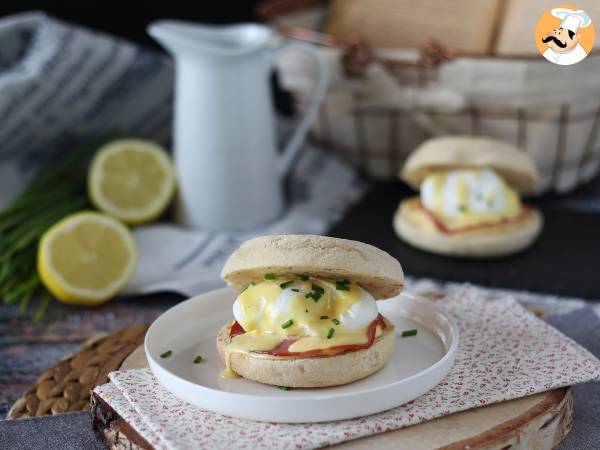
column 233, row 40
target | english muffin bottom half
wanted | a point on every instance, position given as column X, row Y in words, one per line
column 416, row 227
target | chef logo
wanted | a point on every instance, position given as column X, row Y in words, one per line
column 565, row 35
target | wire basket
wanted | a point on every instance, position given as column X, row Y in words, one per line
column 383, row 103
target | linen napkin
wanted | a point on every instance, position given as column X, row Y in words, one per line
column 62, row 83
column 505, row 352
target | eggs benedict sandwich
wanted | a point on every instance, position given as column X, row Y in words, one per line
column 306, row 313
column 469, row 203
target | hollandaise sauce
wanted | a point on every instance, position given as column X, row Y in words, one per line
column 301, row 315
column 469, row 197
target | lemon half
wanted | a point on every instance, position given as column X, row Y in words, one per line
column 132, row 180
column 86, row 258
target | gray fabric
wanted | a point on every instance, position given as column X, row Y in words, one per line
column 73, row 431
column 70, row 431
column 583, row 326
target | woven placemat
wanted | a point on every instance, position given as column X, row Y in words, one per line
column 67, row 386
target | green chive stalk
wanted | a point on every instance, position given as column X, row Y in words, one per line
column 56, row 191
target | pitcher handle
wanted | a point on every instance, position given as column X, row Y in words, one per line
column 294, row 144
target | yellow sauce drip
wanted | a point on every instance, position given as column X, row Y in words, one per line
column 267, row 307
column 246, row 342
column 228, row 374
column 316, row 343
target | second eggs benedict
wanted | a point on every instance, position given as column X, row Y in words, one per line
column 306, row 314
column 469, row 203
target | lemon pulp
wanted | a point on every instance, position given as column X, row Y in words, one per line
column 132, row 180
column 86, row 258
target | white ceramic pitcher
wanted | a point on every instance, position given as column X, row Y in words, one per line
column 228, row 165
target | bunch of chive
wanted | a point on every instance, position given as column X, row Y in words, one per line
column 56, row 191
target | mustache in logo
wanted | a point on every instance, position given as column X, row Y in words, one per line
column 556, row 41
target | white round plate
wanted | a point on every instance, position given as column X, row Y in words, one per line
column 189, row 329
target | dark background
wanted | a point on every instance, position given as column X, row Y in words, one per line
column 129, row 19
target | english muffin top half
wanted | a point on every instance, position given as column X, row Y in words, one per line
column 467, row 152
column 324, row 257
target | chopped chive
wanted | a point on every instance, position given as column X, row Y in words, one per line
column 335, row 321
column 246, row 286
column 286, row 284
column 303, row 277
column 295, row 290
column 317, row 288
column 287, row 324
column 340, row 286
column 166, row 354
column 330, row 333
column 198, row 359
column 283, row 388
column 270, row 276
column 409, row 333
column 314, row 295
column 324, row 317
column 462, row 208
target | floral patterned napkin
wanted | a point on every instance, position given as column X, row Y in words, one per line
column 505, row 352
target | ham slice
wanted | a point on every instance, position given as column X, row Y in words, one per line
column 283, row 348
column 445, row 230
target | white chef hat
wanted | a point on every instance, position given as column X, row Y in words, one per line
column 572, row 20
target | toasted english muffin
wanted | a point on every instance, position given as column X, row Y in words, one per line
column 456, row 152
column 317, row 256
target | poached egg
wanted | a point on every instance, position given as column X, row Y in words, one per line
column 311, row 306
column 466, row 197
column 319, row 314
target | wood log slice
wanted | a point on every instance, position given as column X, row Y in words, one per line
column 539, row 421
